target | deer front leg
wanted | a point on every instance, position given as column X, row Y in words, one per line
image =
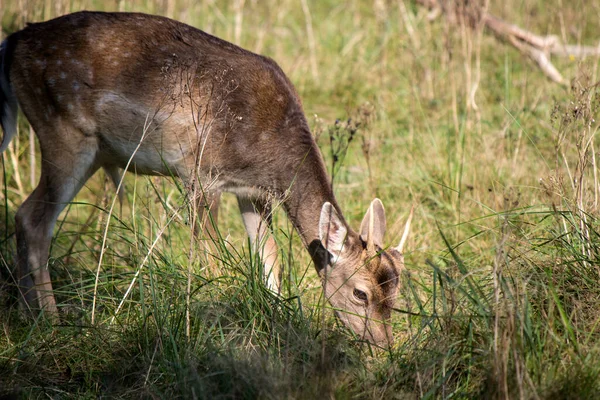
column 257, row 220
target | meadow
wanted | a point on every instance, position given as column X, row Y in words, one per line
column 499, row 298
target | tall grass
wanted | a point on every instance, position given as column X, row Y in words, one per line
column 500, row 296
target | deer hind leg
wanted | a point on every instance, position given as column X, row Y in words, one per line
column 63, row 174
column 257, row 220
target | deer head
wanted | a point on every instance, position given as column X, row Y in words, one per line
column 361, row 278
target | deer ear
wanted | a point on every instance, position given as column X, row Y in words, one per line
column 372, row 228
column 332, row 230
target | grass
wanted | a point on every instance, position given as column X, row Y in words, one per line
column 500, row 297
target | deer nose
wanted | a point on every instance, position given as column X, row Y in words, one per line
column 381, row 336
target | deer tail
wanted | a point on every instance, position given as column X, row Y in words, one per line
column 8, row 100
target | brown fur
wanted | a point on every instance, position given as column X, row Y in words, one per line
column 102, row 90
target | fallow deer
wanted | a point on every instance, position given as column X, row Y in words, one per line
column 155, row 96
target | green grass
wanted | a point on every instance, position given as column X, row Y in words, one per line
column 500, row 298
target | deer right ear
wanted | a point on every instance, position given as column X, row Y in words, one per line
column 372, row 228
column 332, row 231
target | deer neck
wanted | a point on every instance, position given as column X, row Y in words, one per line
column 311, row 189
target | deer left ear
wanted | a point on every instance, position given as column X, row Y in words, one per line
column 332, row 230
column 372, row 228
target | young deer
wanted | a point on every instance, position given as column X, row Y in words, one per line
column 155, row 96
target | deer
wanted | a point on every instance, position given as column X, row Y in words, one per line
column 144, row 93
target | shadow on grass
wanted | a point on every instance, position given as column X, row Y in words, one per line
column 227, row 356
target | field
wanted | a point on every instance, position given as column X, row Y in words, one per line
column 499, row 298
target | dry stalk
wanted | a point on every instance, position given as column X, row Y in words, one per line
column 238, row 7
column 576, row 128
column 105, row 235
column 408, row 25
column 311, row 40
column 503, row 319
column 191, row 258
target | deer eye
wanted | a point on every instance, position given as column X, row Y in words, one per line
column 360, row 295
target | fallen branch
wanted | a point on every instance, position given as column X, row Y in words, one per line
column 550, row 43
column 537, row 48
column 540, row 57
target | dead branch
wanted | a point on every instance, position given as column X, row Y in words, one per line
column 537, row 48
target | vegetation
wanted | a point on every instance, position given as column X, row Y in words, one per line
column 500, row 296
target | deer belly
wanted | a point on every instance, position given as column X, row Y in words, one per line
column 156, row 142
column 148, row 158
